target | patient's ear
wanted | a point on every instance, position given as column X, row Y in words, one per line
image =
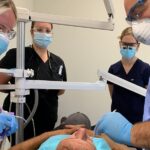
column 63, row 119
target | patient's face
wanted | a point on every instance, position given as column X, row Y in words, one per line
column 142, row 10
column 77, row 141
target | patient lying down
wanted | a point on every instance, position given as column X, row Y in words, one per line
column 73, row 137
column 83, row 139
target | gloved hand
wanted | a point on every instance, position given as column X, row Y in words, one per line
column 8, row 123
column 116, row 127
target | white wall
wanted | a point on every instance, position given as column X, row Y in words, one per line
column 84, row 50
column 29, row 5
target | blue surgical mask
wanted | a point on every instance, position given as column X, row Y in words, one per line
column 42, row 39
column 4, row 41
column 128, row 53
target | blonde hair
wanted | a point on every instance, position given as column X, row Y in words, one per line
column 126, row 31
column 8, row 4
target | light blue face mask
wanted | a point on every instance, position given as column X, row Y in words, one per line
column 128, row 53
column 42, row 39
column 4, row 41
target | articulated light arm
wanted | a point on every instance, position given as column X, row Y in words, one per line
column 40, row 84
column 18, row 72
column 109, row 8
column 26, row 15
column 123, row 83
column 72, row 21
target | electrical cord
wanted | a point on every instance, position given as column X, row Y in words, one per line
column 31, row 113
column 36, row 102
column 31, row 119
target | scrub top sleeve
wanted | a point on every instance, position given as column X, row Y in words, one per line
column 110, row 70
column 64, row 73
column 146, row 114
column 146, row 75
column 9, row 60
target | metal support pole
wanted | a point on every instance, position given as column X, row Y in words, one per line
column 20, row 90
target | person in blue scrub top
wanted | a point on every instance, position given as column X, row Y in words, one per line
column 8, row 17
column 134, row 70
column 113, row 123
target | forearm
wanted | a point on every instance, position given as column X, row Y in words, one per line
column 113, row 145
column 110, row 87
column 34, row 143
column 31, row 144
column 61, row 92
column 90, row 132
column 140, row 135
column 4, row 79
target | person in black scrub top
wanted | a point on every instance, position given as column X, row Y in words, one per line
column 46, row 66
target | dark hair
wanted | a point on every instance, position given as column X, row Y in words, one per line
column 76, row 119
column 33, row 23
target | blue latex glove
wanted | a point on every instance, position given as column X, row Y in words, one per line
column 8, row 124
column 115, row 126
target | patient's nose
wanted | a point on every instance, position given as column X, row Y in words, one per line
column 81, row 134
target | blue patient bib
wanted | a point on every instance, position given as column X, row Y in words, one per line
column 100, row 144
column 52, row 143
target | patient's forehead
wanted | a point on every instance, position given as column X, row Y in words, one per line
column 75, row 144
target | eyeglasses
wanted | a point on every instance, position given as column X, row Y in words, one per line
column 125, row 45
column 42, row 30
column 136, row 10
column 10, row 34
